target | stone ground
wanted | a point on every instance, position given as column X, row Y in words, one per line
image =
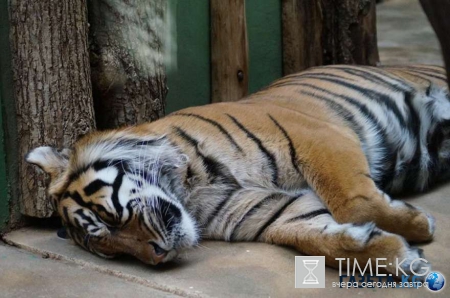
column 35, row 263
column 404, row 34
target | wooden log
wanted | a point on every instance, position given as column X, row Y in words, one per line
column 438, row 13
column 52, row 86
column 127, row 51
column 302, row 35
column 321, row 32
column 229, row 50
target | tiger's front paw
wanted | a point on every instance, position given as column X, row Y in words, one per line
column 411, row 263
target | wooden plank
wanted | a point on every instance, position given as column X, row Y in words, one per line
column 438, row 12
column 229, row 50
column 321, row 32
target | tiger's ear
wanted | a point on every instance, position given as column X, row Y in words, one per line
column 51, row 160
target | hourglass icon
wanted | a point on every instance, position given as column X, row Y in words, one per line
column 310, row 278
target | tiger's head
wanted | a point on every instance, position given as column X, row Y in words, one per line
column 120, row 194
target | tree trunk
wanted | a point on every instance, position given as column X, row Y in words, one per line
column 128, row 74
column 438, row 13
column 321, row 32
column 52, row 85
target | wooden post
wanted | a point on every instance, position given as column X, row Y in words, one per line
column 320, row 32
column 127, row 51
column 302, row 35
column 438, row 13
column 52, row 86
column 229, row 50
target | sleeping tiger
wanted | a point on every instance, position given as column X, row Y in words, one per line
column 307, row 162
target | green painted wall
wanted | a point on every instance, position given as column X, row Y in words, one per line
column 4, row 199
column 264, row 42
column 5, row 97
column 189, row 83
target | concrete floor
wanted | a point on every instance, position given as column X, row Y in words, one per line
column 24, row 274
column 404, row 34
column 41, row 265
column 215, row 269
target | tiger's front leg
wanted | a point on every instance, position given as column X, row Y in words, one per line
column 302, row 221
column 307, row 226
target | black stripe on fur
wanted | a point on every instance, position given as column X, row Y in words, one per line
column 217, row 125
column 275, row 216
column 94, row 186
column 217, row 172
column 269, row 156
column 292, row 151
column 309, row 215
column 252, row 211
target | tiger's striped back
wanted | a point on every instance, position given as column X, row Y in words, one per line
column 391, row 110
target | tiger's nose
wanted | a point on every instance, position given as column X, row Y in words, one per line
column 158, row 254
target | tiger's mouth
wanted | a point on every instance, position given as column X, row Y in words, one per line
column 161, row 254
column 169, row 256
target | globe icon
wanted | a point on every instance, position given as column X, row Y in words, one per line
column 435, row 281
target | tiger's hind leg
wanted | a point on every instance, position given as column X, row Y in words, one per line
column 307, row 226
column 339, row 175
